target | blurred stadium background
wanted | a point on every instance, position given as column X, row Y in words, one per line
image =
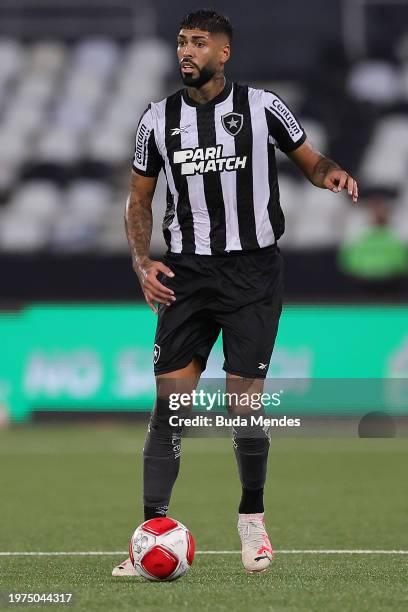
column 74, row 80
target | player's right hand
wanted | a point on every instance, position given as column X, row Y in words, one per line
column 153, row 290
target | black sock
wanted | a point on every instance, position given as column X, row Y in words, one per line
column 161, row 460
column 251, row 501
column 151, row 512
column 251, row 448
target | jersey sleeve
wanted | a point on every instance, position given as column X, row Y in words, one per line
column 284, row 127
column 147, row 160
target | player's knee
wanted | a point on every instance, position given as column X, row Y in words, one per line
column 244, row 395
column 251, row 443
column 161, row 421
column 163, row 438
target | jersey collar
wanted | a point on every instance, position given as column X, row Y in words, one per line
column 223, row 95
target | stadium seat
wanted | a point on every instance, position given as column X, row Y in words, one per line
column 73, row 115
column 88, row 200
column 71, row 234
column 404, row 81
column 48, row 57
column 375, row 81
column 151, row 54
column 122, row 115
column 112, row 237
column 316, row 133
column 8, row 175
column 35, row 90
column 86, row 205
column 36, row 201
column 85, row 88
column 19, row 236
column 23, row 121
column 58, row 145
column 386, row 159
column 96, row 56
column 12, row 58
column 13, row 146
column 319, row 218
column 110, row 146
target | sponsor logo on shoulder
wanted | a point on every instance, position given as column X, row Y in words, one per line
column 278, row 108
column 141, row 144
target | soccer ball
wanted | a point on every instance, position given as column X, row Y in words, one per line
column 161, row 549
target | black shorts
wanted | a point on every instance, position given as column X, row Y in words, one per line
column 239, row 293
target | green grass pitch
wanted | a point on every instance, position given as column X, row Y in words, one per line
column 78, row 489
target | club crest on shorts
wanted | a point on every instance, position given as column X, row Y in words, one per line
column 232, row 123
column 156, row 353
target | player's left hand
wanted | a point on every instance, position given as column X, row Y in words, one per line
column 336, row 180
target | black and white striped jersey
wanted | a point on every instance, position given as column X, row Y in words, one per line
column 219, row 162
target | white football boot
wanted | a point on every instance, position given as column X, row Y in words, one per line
column 125, row 569
column 257, row 551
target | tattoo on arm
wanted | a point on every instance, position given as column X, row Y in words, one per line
column 139, row 223
column 322, row 167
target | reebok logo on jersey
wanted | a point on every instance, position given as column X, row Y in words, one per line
column 262, row 366
column 285, row 116
column 208, row 159
column 183, row 129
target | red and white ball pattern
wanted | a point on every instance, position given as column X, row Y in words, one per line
column 161, row 549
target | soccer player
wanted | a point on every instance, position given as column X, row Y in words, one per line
column 215, row 141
